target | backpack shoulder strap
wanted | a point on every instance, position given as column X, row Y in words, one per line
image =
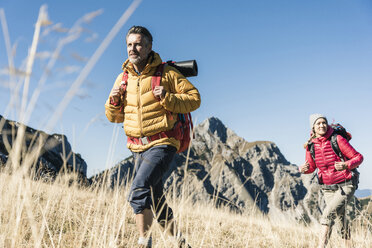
column 124, row 81
column 310, row 146
column 156, row 79
column 335, row 146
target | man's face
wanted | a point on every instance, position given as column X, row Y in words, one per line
column 138, row 49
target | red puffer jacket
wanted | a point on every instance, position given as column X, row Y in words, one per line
column 325, row 159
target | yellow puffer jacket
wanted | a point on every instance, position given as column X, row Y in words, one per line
column 142, row 113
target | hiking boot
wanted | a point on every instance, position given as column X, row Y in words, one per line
column 144, row 242
column 183, row 244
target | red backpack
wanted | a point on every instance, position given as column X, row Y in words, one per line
column 182, row 128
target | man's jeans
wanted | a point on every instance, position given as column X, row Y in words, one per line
column 147, row 188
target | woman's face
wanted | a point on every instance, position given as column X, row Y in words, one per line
column 320, row 127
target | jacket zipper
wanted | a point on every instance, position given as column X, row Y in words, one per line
column 139, row 105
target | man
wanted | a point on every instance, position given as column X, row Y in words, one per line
column 147, row 115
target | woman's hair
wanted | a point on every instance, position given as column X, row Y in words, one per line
column 312, row 136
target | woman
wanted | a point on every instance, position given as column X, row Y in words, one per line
column 335, row 175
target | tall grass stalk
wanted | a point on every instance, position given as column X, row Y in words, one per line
column 90, row 64
column 64, row 214
column 8, row 45
column 18, row 153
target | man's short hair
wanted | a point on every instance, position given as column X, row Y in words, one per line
column 142, row 31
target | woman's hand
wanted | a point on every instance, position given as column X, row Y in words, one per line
column 340, row 166
column 305, row 167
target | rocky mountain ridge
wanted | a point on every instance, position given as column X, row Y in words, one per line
column 226, row 169
column 55, row 150
column 221, row 168
column 361, row 193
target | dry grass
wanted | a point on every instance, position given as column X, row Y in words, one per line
column 37, row 214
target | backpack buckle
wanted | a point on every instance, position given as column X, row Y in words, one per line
column 144, row 140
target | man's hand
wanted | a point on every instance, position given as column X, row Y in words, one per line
column 305, row 167
column 340, row 166
column 159, row 92
column 115, row 95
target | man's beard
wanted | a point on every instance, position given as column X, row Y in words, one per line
column 136, row 60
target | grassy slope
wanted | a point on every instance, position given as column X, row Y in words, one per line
column 366, row 203
column 36, row 214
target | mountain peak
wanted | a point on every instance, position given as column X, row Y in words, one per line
column 216, row 127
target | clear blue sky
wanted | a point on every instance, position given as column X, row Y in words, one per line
column 264, row 67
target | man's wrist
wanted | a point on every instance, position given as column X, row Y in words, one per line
column 162, row 95
column 113, row 102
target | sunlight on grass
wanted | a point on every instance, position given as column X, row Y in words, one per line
column 67, row 213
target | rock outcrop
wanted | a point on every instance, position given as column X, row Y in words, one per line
column 52, row 153
column 226, row 169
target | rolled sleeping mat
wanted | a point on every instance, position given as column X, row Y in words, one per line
column 188, row 68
